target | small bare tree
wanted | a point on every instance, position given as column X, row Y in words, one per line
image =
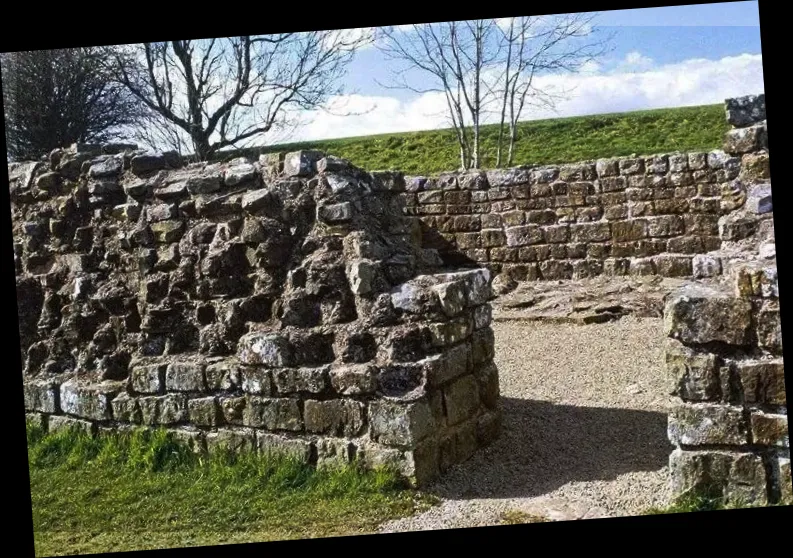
column 455, row 55
column 533, row 46
column 229, row 91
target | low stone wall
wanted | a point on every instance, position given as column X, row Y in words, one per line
column 290, row 311
column 724, row 359
column 630, row 215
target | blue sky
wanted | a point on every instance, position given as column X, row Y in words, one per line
column 668, row 56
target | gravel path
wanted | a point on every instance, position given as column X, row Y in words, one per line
column 584, row 429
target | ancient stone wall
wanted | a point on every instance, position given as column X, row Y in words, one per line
column 724, row 359
column 289, row 309
column 631, row 215
column 724, row 354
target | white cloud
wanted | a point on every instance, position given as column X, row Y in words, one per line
column 634, row 62
column 691, row 82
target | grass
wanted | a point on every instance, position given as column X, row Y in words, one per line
column 144, row 490
column 705, row 499
column 518, row 517
column 540, row 142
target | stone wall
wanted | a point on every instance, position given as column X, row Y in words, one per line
column 724, row 359
column 631, row 215
column 286, row 307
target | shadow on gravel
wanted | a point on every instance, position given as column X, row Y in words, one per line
column 544, row 446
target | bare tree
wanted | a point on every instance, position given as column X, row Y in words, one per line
column 228, row 91
column 534, row 46
column 455, row 56
column 54, row 98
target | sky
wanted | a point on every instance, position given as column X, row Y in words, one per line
column 659, row 57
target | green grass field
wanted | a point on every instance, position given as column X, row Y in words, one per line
column 559, row 140
column 146, row 491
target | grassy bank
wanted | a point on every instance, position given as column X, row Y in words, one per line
column 552, row 141
column 144, row 491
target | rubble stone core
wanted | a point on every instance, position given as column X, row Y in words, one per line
column 287, row 309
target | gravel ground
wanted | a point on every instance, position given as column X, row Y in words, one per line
column 583, row 433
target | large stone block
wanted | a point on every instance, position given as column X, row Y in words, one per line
column 524, row 236
column 769, row 327
column 163, row 410
column 696, row 424
column 272, row 413
column 268, row 349
column 301, row 163
column 335, row 417
column 746, row 110
column 185, row 376
column 590, row 232
column 355, row 379
column 762, row 381
column 301, row 380
column 91, row 401
column 699, row 315
column 400, row 424
column 746, row 140
column 282, row 446
column 693, row 375
column 461, row 399
column 739, row 477
column 42, row 395
column 770, row 429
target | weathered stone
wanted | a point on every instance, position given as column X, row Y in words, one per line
column 305, row 380
column 746, row 140
column 42, row 395
column 335, row 213
column 699, row 315
column 705, row 265
column 770, row 429
column 336, row 417
column 240, row 171
column 268, row 349
column 91, row 401
column 693, row 375
column 166, row 409
column 301, row 163
column 759, row 199
column 461, row 399
column 632, row 229
column 255, row 380
column 59, row 423
column 696, row 424
column 769, row 327
column 235, row 441
column 400, row 424
column 147, row 162
column 590, row 232
column 166, row 232
column 745, row 111
column 107, row 167
column 354, row 379
column 762, row 381
column 126, row 408
column 204, row 411
column 272, row 414
column 452, row 297
column 185, row 377
column 281, row 446
column 742, row 475
column 148, row 378
column 524, row 236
